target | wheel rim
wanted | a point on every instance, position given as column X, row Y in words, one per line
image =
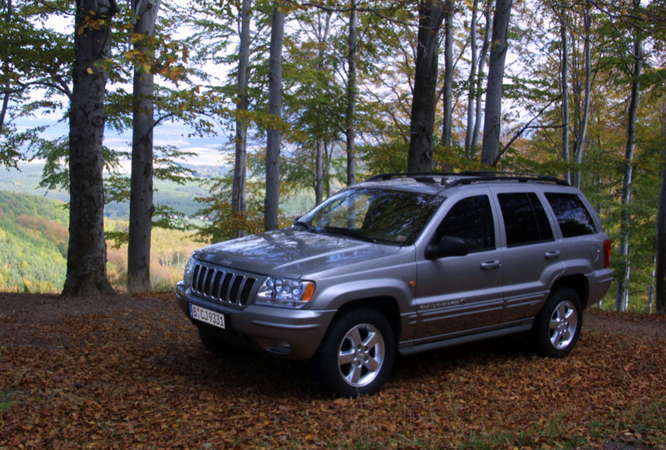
column 563, row 324
column 361, row 355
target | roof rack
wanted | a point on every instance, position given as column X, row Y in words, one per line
column 468, row 177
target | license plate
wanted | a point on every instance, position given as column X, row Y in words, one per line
column 206, row 315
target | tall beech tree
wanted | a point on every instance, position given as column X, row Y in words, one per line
column 424, row 100
column 493, row 112
column 272, row 197
column 141, row 194
column 86, row 254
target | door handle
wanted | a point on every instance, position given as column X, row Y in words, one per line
column 553, row 255
column 491, row 265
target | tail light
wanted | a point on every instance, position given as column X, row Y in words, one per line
column 607, row 253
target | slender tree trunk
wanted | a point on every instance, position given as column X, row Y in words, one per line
column 448, row 73
column 319, row 171
column 472, row 80
column 141, row 194
column 479, row 81
column 564, row 87
column 582, row 133
column 622, row 298
column 493, row 112
column 660, row 270
column 431, row 15
column 7, row 5
column 86, row 254
column 239, row 186
column 272, row 199
column 351, row 97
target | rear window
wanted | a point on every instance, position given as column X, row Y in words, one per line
column 572, row 215
column 525, row 220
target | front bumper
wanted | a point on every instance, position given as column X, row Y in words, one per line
column 290, row 333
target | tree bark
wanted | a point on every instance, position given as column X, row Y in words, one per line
column 471, row 96
column 564, row 88
column 479, row 81
column 86, row 254
column 272, row 199
column 5, row 67
column 424, row 102
column 141, row 207
column 239, row 186
column 660, row 270
column 493, row 113
column 351, row 97
column 582, row 128
column 448, row 74
column 622, row 297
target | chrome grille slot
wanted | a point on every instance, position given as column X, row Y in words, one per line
column 222, row 285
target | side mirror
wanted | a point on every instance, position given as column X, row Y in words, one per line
column 448, row 246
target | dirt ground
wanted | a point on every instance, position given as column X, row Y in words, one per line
column 130, row 372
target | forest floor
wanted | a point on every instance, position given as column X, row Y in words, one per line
column 130, row 372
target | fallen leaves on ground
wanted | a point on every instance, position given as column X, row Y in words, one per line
column 130, row 372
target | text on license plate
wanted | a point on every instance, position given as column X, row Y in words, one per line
column 206, row 315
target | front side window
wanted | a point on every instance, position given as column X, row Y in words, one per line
column 525, row 220
column 379, row 215
column 572, row 215
column 472, row 220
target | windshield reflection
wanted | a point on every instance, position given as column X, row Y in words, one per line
column 375, row 215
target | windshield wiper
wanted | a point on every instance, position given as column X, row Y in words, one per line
column 352, row 233
column 307, row 226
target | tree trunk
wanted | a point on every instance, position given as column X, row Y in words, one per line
column 319, row 171
column 493, row 113
column 479, row 81
column 564, row 87
column 272, row 198
column 582, row 129
column 86, row 254
column 5, row 68
column 448, row 73
column 660, row 271
column 351, row 97
column 424, row 99
column 141, row 207
column 239, row 186
column 622, row 297
column 472, row 82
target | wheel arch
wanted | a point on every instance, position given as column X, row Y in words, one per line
column 387, row 306
column 578, row 283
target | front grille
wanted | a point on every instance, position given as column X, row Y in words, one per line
column 222, row 285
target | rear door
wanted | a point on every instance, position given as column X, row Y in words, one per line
column 532, row 255
column 456, row 294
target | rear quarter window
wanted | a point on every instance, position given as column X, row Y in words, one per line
column 572, row 216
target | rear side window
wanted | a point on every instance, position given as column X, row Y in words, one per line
column 525, row 220
column 572, row 215
column 471, row 219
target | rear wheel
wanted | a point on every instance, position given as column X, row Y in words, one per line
column 356, row 355
column 557, row 326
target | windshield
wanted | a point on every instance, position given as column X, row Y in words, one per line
column 374, row 214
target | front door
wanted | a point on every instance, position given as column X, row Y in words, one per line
column 460, row 293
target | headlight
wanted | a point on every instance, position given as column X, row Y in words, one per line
column 189, row 271
column 285, row 293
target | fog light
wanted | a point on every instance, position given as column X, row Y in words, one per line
column 280, row 347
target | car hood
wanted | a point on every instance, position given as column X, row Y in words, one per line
column 291, row 252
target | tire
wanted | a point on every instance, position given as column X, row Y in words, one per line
column 356, row 355
column 216, row 343
column 557, row 326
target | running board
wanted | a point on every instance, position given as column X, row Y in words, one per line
column 412, row 349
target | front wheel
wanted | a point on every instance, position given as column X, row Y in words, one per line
column 356, row 354
column 557, row 326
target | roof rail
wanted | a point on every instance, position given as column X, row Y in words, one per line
column 390, row 176
column 468, row 177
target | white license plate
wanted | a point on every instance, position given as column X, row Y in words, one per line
column 206, row 315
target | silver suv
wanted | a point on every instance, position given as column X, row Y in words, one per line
column 405, row 263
